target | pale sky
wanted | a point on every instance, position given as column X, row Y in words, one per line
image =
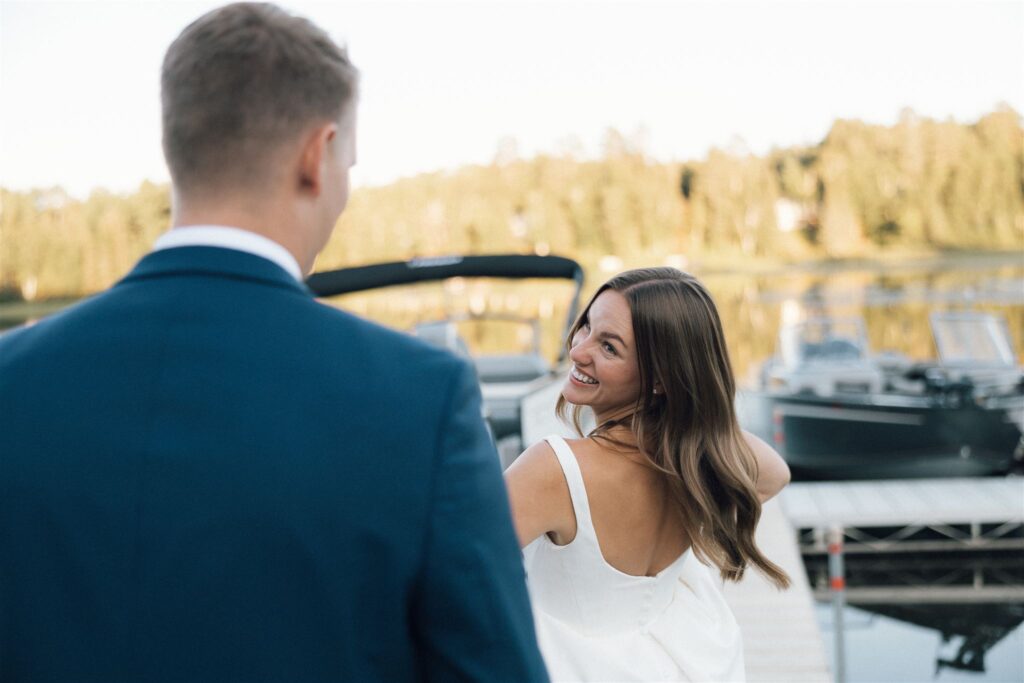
column 443, row 83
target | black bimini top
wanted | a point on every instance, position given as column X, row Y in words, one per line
column 514, row 266
column 362, row 278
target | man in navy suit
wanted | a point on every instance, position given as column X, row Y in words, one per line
column 207, row 475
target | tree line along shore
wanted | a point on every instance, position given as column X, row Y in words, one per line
column 920, row 186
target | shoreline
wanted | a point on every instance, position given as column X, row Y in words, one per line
column 903, row 261
column 711, row 265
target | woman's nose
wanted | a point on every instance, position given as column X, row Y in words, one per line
column 578, row 353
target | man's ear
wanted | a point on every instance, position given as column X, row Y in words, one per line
column 314, row 154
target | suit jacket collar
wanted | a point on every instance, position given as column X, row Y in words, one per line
column 230, row 238
column 214, row 261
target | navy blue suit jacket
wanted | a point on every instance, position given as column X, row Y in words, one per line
column 207, row 475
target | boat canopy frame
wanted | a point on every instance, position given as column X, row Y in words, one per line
column 436, row 269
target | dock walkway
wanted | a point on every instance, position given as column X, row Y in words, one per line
column 781, row 637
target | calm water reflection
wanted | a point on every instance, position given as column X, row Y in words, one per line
column 944, row 615
column 907, row 643
column 895, row 303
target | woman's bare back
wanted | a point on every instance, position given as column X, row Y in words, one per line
column 638, row 526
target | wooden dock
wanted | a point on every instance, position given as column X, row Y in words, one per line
column 781, row 637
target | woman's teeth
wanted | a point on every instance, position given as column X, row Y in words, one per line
column 579, row 376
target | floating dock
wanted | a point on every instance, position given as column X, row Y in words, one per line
column 897, row 520
column 782, row 638
column 919, row 502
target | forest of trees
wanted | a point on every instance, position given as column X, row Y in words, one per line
column 865, row 190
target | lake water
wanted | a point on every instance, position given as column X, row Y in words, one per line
column 883, row 649
column 894, row 301
column 966, row 631
column 884, row 642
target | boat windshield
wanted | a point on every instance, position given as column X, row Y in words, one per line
column 972, row 338
column 823, row 341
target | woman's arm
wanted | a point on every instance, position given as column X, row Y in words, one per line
column 539, row 496
column 772, row 470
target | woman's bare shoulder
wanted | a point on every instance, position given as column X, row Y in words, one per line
column 539, row 494
column 537, row 461
column 542, row 454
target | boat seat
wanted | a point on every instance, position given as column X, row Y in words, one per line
column 511, row 367
column 443, row 334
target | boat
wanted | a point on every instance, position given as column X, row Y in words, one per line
column 505, row 378
column 835, row 411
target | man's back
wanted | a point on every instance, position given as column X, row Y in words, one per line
column 206, row 475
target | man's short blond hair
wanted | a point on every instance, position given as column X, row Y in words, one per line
column 237, row 84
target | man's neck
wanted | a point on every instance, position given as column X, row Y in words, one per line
column 261, row 219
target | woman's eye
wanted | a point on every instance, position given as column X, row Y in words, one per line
column 609, row 348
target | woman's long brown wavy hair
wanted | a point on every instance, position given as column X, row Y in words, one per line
column 688, row 430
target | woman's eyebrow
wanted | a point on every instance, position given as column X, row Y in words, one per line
column 612, row 335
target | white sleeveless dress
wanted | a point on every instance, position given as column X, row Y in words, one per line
column 596, row 623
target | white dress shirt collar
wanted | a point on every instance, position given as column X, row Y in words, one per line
column 230, row 238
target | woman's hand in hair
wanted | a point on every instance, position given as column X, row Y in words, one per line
column 772, row 470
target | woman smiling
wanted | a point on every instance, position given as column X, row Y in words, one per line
column 622, row 526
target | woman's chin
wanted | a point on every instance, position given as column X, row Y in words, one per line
column 572, row 395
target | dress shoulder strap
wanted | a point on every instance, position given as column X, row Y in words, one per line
column 577, row 490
